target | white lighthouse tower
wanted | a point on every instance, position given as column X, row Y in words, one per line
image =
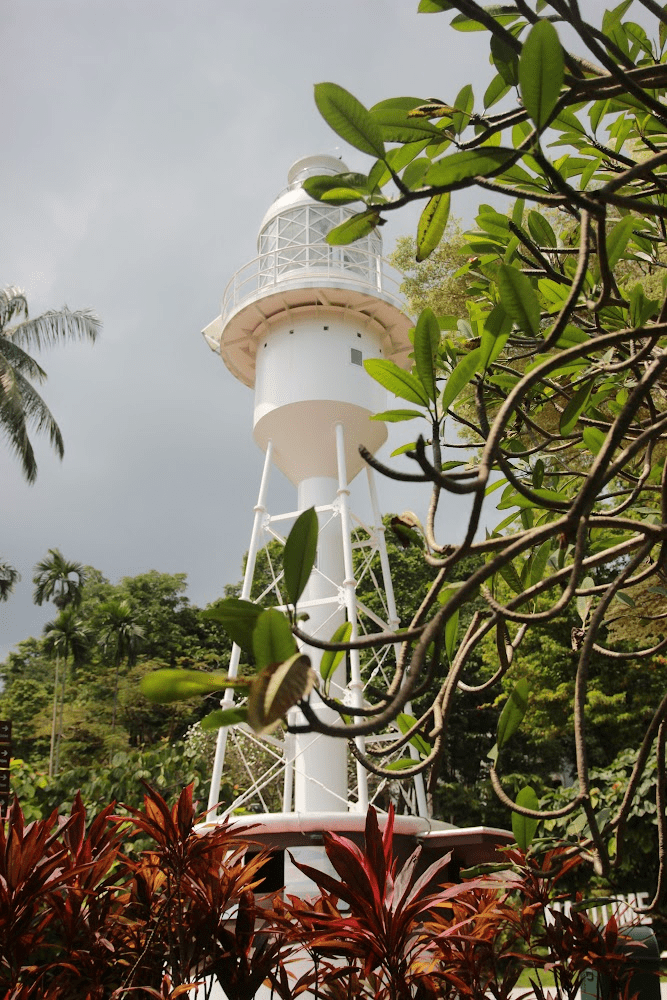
column 296, row 325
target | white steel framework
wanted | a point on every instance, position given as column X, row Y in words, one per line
column 363, row 546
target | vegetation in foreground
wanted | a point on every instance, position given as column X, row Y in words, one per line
column 84, row 915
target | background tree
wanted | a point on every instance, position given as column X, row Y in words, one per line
column 120, row 633
column 61, row 581
column 58, row 580
column 149, row 741
column 65, row 636
column 436, row 281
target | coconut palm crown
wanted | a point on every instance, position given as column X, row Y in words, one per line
column 21, row 407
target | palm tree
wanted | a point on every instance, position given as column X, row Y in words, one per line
column 61, row 581
column 9, row 576
column 120, row 634
column 66, row 635
column 21, row 406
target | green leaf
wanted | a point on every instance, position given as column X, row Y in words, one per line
column 224, row 717
column 460, row 377
column 584, row 603
column 400, row 764
column 513, row 712
column 511, row 577
column 506, row 60
column 594, row 438
column 397, row 103
column 469, row 163
column 299, row 554
column 395, row 416
column 273, row 641
column 575, row 407
column 276, row 690
column 330, row 657
column 165, row 686
column 406, row 722
column 414, row 172
column 495, row 91
column 323, row 184
column 541, row 72
column 503, row 13
column 541, row 230
column 451, row 635
column 402, row 384
column 497, row 328
column 349, row 118
column 524, row 827
column 237, row 617
column 611, row 19
column 401, row 450
column 341, row 196
column 539, row 562
column 433, row 6
column 431, row 225
column 519, row 299
column 571, row 335
column 354, row 228
column 617, row 239
column 427, row 339
column 464, row 103
column 395, row 126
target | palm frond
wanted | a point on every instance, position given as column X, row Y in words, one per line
column 20, row 360
column 12, row 303
column 22, row 407
column 9, row 576
column 56, row 326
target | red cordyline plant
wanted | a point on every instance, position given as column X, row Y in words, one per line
column 398, row 935
column 79, row 920
column 372, row 919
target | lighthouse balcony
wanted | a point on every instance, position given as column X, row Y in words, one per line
column 308, row 266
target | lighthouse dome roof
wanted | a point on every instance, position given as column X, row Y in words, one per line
column 294, row 195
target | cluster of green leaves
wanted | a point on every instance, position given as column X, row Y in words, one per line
column 282, row 676
column 556, row 373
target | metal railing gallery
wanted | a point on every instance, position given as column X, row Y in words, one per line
column 308, row 265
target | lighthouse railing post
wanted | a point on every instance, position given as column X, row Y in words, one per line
column 232, row 671
column 349, row 591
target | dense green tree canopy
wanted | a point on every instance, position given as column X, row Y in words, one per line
column 91, row 642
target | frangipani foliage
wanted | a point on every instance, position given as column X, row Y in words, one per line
column 557, row 374
column 283, row 676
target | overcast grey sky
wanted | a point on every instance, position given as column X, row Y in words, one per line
column 144, row 140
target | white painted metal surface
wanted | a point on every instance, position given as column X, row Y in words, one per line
column 297, row 323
